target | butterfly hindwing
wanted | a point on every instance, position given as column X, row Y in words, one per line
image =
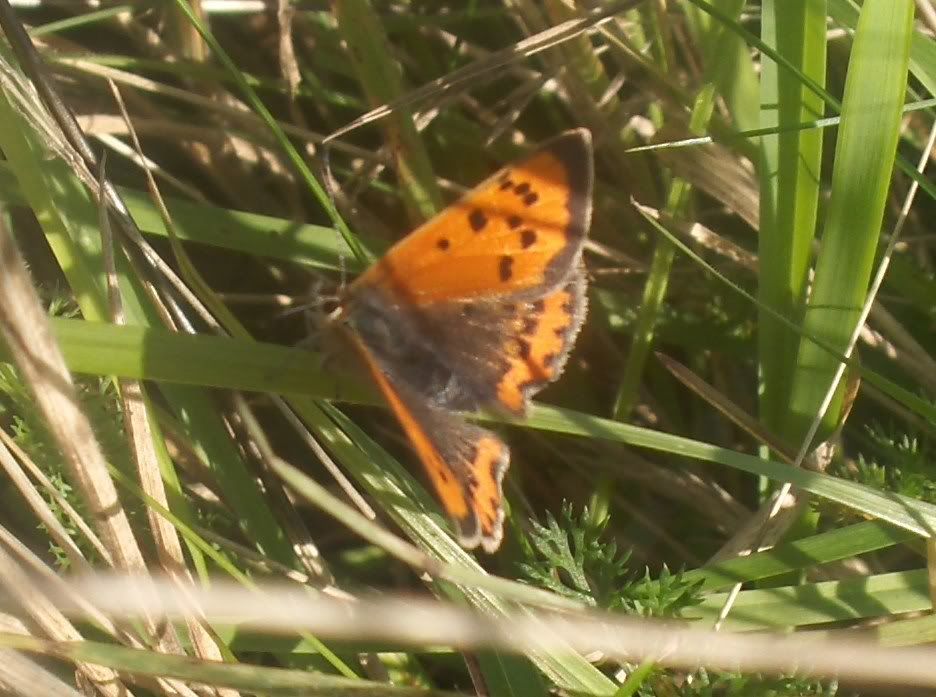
column 532, row 339
column 465, row 463
column 545, row 333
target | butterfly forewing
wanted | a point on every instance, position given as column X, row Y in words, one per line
column 520, row 231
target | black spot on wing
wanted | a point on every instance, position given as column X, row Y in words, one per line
column 530, row 198
column 527, row 238
column 443, row 244
column 514, row 221
column 505, row 268
column 477, row 220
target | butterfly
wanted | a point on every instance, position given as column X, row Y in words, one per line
column 478, row 307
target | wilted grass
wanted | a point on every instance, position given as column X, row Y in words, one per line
column 283, row 170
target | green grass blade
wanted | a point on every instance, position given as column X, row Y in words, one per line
column 922, row 48
column 818, row 603
column 871, row 120
column 163, row 356
column 789, row 175
column 799, row 555
column 251, row 678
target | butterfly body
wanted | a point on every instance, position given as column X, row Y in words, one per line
column 478, row 307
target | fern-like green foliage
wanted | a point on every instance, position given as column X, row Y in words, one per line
column 907, row 468
column 570, row 558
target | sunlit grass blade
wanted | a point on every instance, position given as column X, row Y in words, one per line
column 864, row 159
column 805, row 553
column 789, row 175
column 819, row 603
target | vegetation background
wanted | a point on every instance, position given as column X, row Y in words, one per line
column 707, row 458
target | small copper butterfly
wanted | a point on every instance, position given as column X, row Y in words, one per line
column 478, row 307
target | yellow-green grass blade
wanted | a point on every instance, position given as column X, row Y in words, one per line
column 789, row 192
column 871, row 119
column 817, row 603
column 922, row 48
column 80, row 21
column 251, row 678
column 508, row 674
column 802, row 554
column 739, row 136
column 740, row 84
column 315, row 246
column 73, row 239
column 907, row 632
column 146, row 353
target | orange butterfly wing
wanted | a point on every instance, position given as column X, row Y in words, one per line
column 520, row 230
column 537, row 352
column 465, row 463
column 478, row 307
